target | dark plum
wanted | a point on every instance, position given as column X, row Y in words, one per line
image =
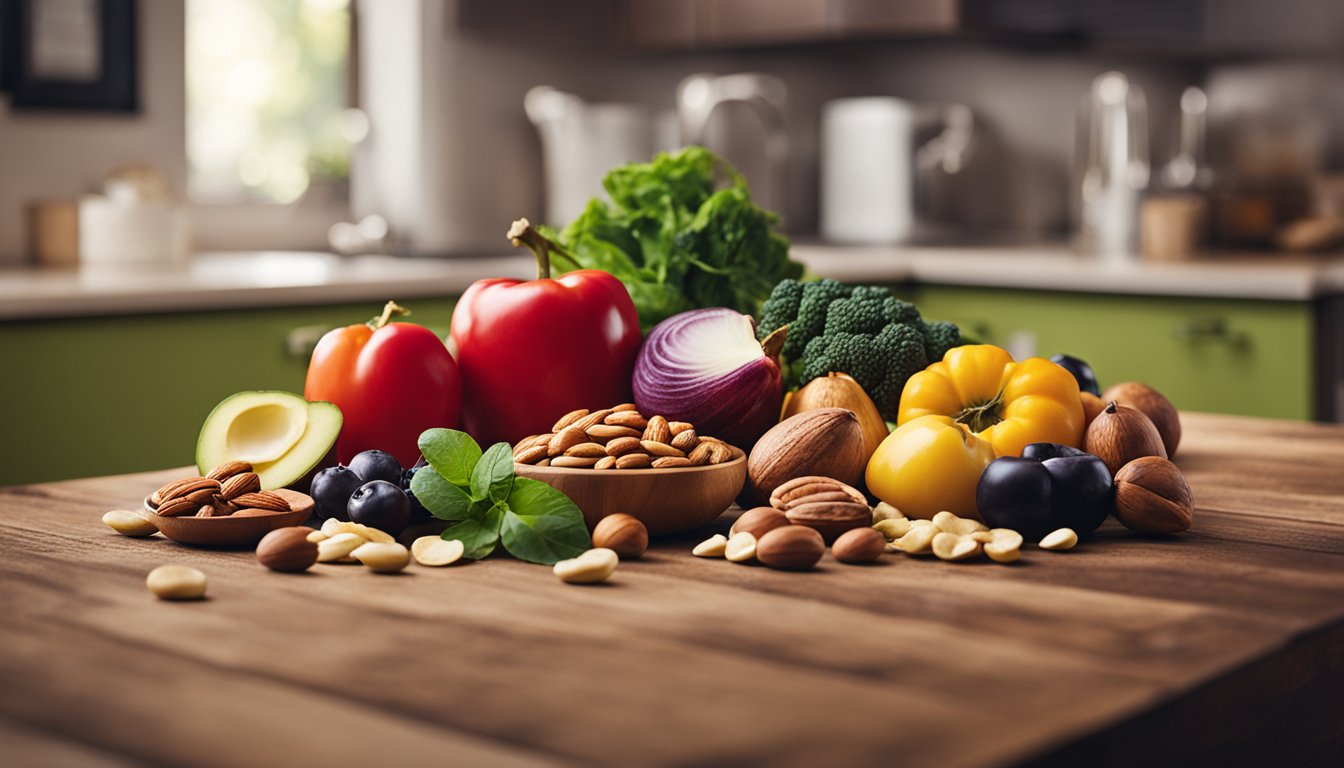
column 377, row 465
column 1050, row 486
column 332, row 489
column 380, row 505
column 1087, row 380
column 1015, row 493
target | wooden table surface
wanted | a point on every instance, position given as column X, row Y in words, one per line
column 1224, row 645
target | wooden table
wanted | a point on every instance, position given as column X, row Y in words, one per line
column 1224, row 645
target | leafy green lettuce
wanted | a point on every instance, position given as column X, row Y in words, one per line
column 679, row 240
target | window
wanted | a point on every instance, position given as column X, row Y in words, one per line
column 267, row 97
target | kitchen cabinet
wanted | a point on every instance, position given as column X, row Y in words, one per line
column 116, row 394
column 1229, row 356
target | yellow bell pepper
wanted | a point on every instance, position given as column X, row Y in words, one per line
column 928, row 465
column 1008, row 403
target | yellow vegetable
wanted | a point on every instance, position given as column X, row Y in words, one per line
column 927, row 465
column 1008, row 403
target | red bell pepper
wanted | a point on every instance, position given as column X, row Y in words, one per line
column 392, row 381
column 532, row 351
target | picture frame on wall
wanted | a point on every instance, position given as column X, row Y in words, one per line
column 78, row 55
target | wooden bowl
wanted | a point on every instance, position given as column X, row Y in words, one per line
column 667, row 501
column 234, row 530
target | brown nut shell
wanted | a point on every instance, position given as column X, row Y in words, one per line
column 758, row 520
column 860, row 545
column 823, row 441
column 1153, row 496
column 623, row 534
column 831, row 518
column 1154, row 405
column 1121, row 434
column 790, row 548
column 288, row 549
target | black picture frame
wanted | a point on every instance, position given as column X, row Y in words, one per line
column 116, row 89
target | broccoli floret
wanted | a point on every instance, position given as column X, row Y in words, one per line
column 780, row 309
column 940, row 337
column 860, row 313
column 880, row 362
column 903, row 312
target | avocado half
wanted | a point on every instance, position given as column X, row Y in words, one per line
column 282, row 435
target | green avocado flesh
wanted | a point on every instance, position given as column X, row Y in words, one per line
column 280, row 434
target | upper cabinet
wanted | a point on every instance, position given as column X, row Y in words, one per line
column 1191, row 27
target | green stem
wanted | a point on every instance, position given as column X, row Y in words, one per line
column 523, row 234
column 981, row 416
column 390, row 310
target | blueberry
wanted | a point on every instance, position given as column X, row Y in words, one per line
column 377, row 465
column 418, row 512
column 332, row 489
column 380, row 505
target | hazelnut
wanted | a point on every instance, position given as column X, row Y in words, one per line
column 1121, row 434
column 758, row 520
column 287, row 549
column 790, row 548
column 1152, row 496
column 622, row 534
column 860, row 545
column 1154, row 405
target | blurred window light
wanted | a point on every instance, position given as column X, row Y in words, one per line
column 267, row 98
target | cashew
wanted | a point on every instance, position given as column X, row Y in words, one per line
column 589, row 568
column 884, row 511
column 712, row 547
column 1004, row 545
column 740, row 548
column 955, row 546
column 1062, row 539
column 946, row 521
column 893, row 528
column 918, row 541
column 129, row 523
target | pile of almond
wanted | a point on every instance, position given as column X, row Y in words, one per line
column 231, row 488
column 621, row 438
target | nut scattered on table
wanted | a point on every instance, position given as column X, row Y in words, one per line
column 790, row 548
column 1062, row 539
column 714, row 546
column 382, row 557
column 591, row 567
column 623, row 534
column 1153, row 496
column 860, row 545
column 339, row 547
column 176, row 582
column 287, row 550
column 435, row 551
column 1003, row 545
column 954, row 546
column 741, row 547
column 129, row 522
column 758, row 520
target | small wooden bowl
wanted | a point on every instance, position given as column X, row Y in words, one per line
column 667, row 501
column 234, row 530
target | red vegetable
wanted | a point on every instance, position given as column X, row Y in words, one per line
column 706, row 367
column 531, row 351
column 392, row 381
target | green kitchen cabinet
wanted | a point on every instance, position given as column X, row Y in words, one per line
column 1225, row 355
column 103, row 395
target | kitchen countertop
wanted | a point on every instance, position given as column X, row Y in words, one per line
column 267, row 279
column 1224, row 645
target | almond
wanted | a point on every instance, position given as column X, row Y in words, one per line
column 568, row 419
column 701, row 454
column 670, row 462
column 623, row 534
column 587, row 450
column 677, row 427
column 758, row 520
column 631, row 419
column 657, row 430
column 262, row 500
column 565, row 439
column 656, row 449
column 203, row 496
column 229, row 469
column 606, row 462
column 186, row 485
column 823, row 441
column 237, row 485
column 592, row 419
column 604, row 432
column 719, row 453
column 176, row 507
column 623, row 445
column 685, row 441
column 573, row 462
column 634, row 461
column 623, row 407
column 531, row 455
column 860, row 545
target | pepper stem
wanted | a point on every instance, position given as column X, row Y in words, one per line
column 981, row 416
column 390, row 309
column 523, row 234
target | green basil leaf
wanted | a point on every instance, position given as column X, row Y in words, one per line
column 493, row 476
column 443, row 499
column 478, row 537
column 541, row 524
column 451, row 453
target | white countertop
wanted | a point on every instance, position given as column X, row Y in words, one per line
column 274, row 279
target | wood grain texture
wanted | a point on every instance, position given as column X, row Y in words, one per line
column 1223, row 645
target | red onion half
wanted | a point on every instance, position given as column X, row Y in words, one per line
column 706, row 367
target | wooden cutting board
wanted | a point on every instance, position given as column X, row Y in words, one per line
column 1224, row 645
